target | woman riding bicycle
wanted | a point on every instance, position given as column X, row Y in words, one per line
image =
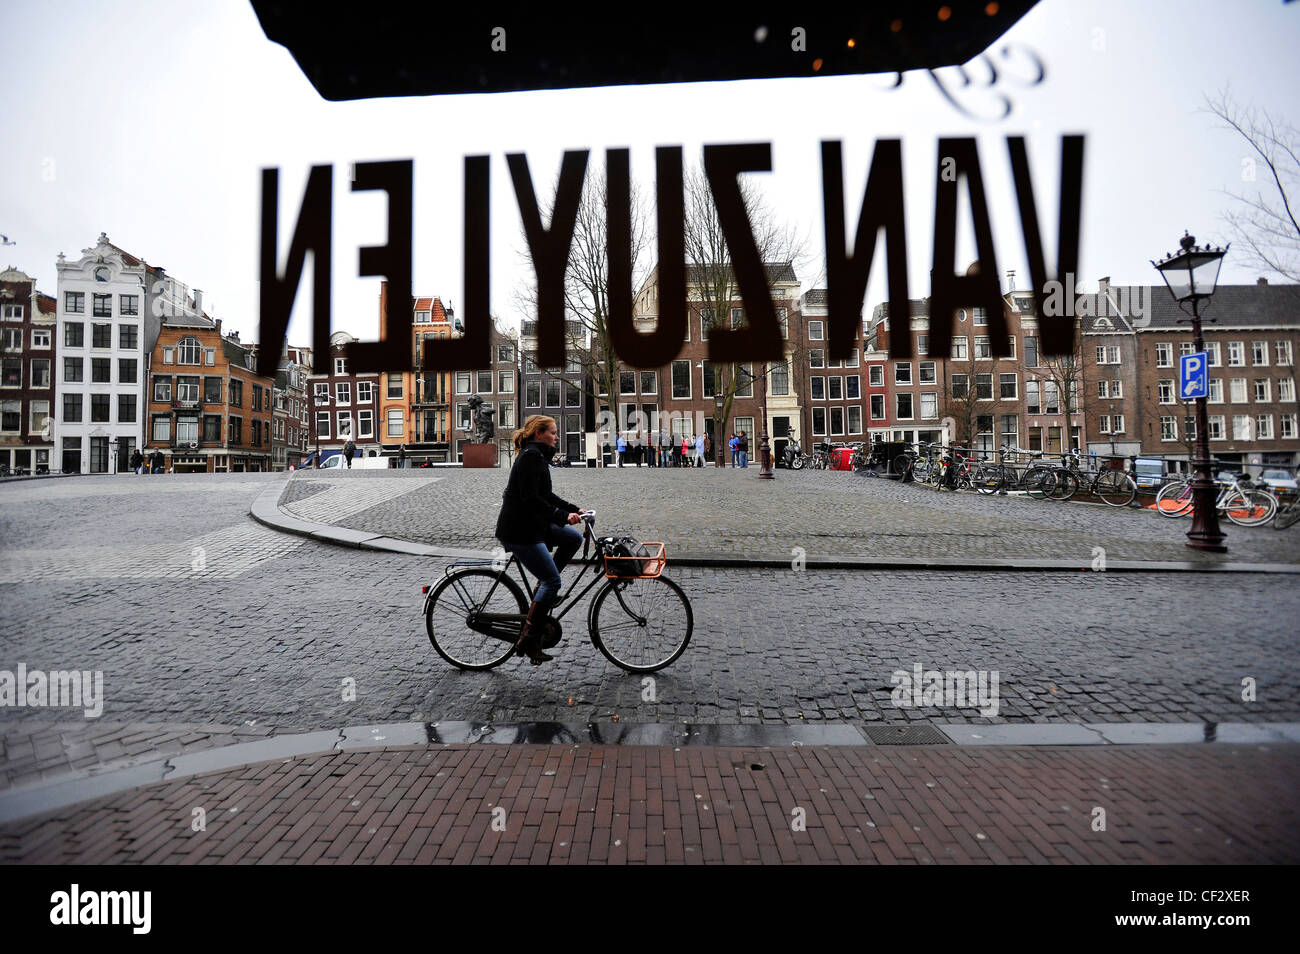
column 532, row 520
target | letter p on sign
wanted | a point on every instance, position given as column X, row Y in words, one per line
column 1193, row 376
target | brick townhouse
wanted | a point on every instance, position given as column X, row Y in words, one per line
column 28, row 352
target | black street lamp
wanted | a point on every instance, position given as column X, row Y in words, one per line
column 1191, row 276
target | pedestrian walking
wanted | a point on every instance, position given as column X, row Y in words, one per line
column 708, row 447
column 401, row 457
column 137, row 461
column 348, row 450
column 652, row 450
column 666, row 449
column 622, row 449
column 686, row 451
column 157, row 462
column 742, row 449
column 699, row 450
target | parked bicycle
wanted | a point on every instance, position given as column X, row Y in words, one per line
column 640, row 620
column 1116, row 488
column 1244, row 504
column 1005, row 475
column 1287, row 514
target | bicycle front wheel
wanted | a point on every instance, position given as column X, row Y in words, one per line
column 1035, row 482
column 1174, row 499
column 1063, row 486
column 1115, row 488
column 1287, row 515
column 1250, row 508
column 448, row 610
column 641, row 625
column 988, row 480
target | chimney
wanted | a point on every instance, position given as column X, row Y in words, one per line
column 1261, row 280
column 218, row 327
column 198, row 302
column 1103, row 285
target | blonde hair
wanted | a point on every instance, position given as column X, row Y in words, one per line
column 534, row 425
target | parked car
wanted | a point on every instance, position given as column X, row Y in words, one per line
column 1281, row 482
column 1149, row 473
column 337, row 461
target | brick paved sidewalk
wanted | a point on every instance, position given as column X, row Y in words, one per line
column 524, row 804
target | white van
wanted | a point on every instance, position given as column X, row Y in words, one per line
column 339, row 462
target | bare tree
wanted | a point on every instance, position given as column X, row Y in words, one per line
column 712, row 280
column 1262, row 217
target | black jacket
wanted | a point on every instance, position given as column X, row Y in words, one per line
column 528, row 508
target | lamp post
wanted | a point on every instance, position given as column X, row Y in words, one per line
column 765, row 470
column 319, row 402
column 1191, row 275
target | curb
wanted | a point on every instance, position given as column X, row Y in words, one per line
column 40, row 798
column 266, row 511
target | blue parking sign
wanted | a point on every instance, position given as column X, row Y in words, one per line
column 1193, row 376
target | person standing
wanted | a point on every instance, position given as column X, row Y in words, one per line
column 742, row 449
column 652, row 450
column 348, row 450
column 666, row 449
column 401, row 457
column 686, row 451
column 622, row 449
column 699, row 450
column 137, row 461
column 732, row 445
column 157, row 462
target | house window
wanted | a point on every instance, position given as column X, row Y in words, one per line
column 649, row 383
column 169, row 355
column 101, row 370
column 706, row 323
column 345, row 424
column 462, row 382
column 1263, row 390
column 236, row 393
column 365, row 391
column 1168, row 428
column 39, row 415
column 627, row 382
column 162, row 429
column 1237, row 390
column 681, row 379
column 817, row 388
column 101, row 335
column 779, row 379
column 212, row 429
column 11, row 418
column 819, row 421
column 74, row 303
column 737, row 318
column 1283, row 350
column 395, row 420
column 1212, row 349
column 323, row 423
column 783, row 319
column 960, row 383
column 189, row 351
column 13, row 339
column 903, row 406
column 532, row 394
column 40, row 372
column 815, row 331
column 505, row 354
column 877, row 407
column 128, row 337
column 1164, row 355
column 1185, row 347
column 1236, row 354
column 745, row 386
column 816, row 358
column 1216, row 427
column 40, row 338
column 72, row 408
column 852, row 361
column 128, row 305
column 1259, row 353
column 926, row 372
column 553, row 392
column 1011, row 348
column 572, row 395
column 1051, row 398
column 394, row 385
column 102, row 307
column 73, row 369
column 1007, row 386
column 853, row 387
column 1166, row 391
column 1215, row 394
column 902, row 372
column 855, row 419
column 1288, row 426
column 922, row 344
column 484, row 382
column 984, row 387
column 982, row 349
column 929, row 405
column 1031, row 398
column 876, row 376
column 505, row 382
column 236, row 430
column 837, row 420
column 187, row 429
column 981, row 316
column 11, row 375
column 365, row 423
column 211, row 390
column 835, row 389
column 1112, row 354
column 959, row 349
column 506, row 414
column 1241, row 427
column 340, row 366
column 74, row 335
column 1285, row 388
column 1264, row 427
column 1031, row 352
column 707, row 374
column 1010, row 430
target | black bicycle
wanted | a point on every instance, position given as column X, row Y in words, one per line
column 640, row 620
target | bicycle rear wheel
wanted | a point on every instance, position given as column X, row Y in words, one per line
column 1063, row 485
column 1287, row 515
column 1034, row 482
column 1115, row 488
column 641, row 625
column 449, row 606
column 1251, row 508
column 988, row 480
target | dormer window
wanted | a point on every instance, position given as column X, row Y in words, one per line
column 101, row 274
column 189, row 351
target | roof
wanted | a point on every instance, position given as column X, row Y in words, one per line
column 776, row 272
column 816, row 296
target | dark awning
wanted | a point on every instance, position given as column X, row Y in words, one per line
column 422, row 49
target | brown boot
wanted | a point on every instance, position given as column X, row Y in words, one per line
column 529, row 639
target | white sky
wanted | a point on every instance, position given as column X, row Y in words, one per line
column 151, row 121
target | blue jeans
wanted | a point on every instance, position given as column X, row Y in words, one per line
column 742, row 458
column 536, row 559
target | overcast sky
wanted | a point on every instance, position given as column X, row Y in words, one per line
column 151, row 121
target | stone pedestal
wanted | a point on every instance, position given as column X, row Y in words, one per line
column 479, row 455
